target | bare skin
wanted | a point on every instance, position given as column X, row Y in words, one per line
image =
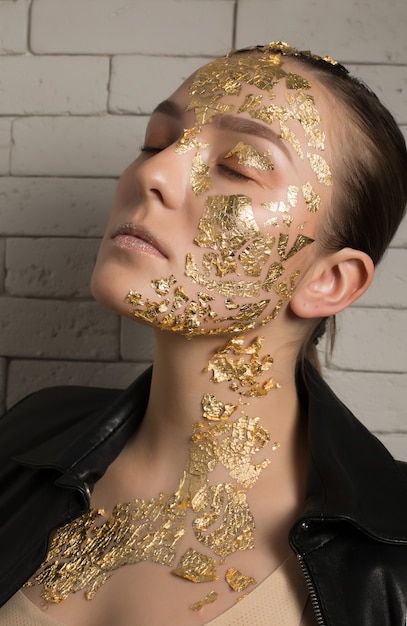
column 153, row 460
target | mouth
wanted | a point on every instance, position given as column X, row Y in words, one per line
column 138, row 238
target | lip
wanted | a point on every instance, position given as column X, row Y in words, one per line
column 138, row 238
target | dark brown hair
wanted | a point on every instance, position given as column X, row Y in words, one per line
column 370, row 171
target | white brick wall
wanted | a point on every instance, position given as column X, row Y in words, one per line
column 77, row 80
column 163, row 27
column 14, row 26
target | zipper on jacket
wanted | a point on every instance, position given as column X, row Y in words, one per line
column 312, row 594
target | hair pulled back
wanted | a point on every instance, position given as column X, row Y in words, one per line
column 369, row 169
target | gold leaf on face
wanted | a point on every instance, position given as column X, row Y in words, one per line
column 256, row 254
column 287, row 220
column 320, row 168
column 226, row 224
column 251, row 101
column 294, row 81
column 271, row 113
column 200, row 179
column 247, row 155
column 312, row 199
column 188, row 141
column 287, row 134
column 273, row 274
column 300, row 242
column 162, row 286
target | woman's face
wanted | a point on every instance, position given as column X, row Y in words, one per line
column 212, row 222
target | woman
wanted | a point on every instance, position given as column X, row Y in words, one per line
column 268, row 186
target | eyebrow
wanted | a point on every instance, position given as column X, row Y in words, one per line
column 169, row 107
column 226, row 121
column 249, row 127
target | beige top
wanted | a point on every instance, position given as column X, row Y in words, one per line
column 280, row 600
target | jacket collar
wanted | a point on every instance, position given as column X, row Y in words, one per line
column 351, row 474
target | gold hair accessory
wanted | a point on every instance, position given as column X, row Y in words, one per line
column 281, row 47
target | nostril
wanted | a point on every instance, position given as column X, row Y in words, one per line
column 158, row 194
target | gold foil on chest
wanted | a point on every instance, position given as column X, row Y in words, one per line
column 196, row 567
column 85, row 553
column 238, row 581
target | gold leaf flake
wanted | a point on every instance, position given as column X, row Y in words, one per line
column 256, row 254
column 320, row 168
column 300, row 242
column 196, row 567
column 228, row 526
column 238, row 581
column 209, row 599
column 287, row 134
column 274, row 272
column 294, row 81
column 200, row 179
column 287, row 220
column 312, row 199
column 249, row 156
column 215, row 410
column 251, row 101
column 162, row 286
column 188, row 141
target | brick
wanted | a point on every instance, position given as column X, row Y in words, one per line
column 396, row 444
column 389, row 83
column 400, row 238
column 5, row 145
column 136, row 341
column 53, row 85
column 348, row 31
column 371, row 340
column 14, row 26
column 75, row 146
column 139, row 83
column 57, row 329
column 50, row 268
column 377, row 399
column 55, row 206
column 389, row 286
column 26, row 376
column 2, row 263
column 119, row 26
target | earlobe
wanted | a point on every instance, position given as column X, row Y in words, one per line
column 332, row 284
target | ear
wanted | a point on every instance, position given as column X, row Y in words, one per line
column 332, row 283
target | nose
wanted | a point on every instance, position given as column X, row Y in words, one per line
column 163, row 177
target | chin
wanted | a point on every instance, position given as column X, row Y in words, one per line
column 107, row 290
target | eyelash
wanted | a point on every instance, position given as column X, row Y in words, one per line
column 234, row 173
column 150, row 149
column 225, row 170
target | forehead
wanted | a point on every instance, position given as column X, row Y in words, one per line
column 270, row 89
column 228, row 74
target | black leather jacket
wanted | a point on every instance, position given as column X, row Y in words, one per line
column 351, row 541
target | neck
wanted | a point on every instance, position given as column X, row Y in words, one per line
column 186, row 371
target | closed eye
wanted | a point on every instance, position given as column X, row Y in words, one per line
column 227, row 171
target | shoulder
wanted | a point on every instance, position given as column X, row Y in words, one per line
column 48, row 412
